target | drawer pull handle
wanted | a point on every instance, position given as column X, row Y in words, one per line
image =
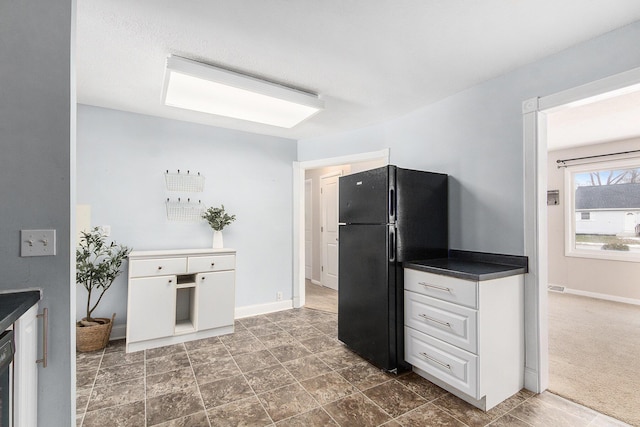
column 434, row 360
column 440, row 288
column 431, row 319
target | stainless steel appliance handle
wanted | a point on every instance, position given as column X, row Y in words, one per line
column 392, row 244
column 440, row 288
column 45, row 336
column 431, row 319
column 434, row 360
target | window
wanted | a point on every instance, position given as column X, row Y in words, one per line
column 603, row 210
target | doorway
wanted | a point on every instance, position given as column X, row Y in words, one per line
column 302, row 172
column 535, row 120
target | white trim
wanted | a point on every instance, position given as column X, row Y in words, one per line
column 299, row 169
column 315, row 282
column 255, row 310
column 118, row 332
column 605, row 297
column 535, row 177
column 323, row 251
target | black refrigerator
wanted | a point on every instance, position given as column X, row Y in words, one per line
column 387, row 216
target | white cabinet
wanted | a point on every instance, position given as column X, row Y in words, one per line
column 181, row 295
column 466, row 336
column 25, row 370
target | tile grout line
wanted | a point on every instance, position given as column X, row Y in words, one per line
column 144, row 383
column 93, row 384
column 206, row 414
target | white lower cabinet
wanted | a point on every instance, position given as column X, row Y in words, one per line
column 181, row 295
column 466, row 336
column 25, row 370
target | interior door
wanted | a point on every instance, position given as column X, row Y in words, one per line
column 329, row 230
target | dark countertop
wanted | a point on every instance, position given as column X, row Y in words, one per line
column 15, row 304
column 475, row 266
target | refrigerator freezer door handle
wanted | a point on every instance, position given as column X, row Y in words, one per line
column 392, row 204
column 392, row 244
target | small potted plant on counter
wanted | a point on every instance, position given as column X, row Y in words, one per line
column 218, row 219
column 98, row 263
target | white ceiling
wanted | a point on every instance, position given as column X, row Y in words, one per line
column 370, row 60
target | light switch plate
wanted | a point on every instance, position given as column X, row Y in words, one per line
column 37, row 242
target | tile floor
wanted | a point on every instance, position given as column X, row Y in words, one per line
column 284, row 369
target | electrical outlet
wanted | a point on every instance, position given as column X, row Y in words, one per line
column 37, row 242
column 279, row 296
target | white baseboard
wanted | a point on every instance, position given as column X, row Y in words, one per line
column 597, row 295
column 316, row 282
column 255, row 310
column 531, row 380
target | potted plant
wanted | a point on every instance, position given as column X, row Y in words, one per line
column 98, row 264
column 218, row 219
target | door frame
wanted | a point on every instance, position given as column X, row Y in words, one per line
column 534, row 113
column 299, row 169
column 322, row 221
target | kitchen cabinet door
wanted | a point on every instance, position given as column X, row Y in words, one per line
column 216, row 299
column 152, row 308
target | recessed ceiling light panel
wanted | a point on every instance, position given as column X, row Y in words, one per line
column 205, row 88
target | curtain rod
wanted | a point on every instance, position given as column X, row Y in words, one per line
column 561, row 163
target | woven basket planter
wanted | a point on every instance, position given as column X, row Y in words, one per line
column 92, row 338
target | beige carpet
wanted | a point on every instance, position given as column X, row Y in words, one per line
column 594, row 354
column 320, row 298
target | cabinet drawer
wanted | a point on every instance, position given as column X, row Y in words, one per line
column 157, row 267
column 201, row 264
column 446, row 288
column 444, row 361
column 452, row 323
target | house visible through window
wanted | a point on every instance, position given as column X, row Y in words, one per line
column 604, row 221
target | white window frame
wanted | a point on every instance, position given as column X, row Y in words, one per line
column 570, row 211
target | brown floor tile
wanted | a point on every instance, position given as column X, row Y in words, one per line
column 394, row 398
column 262, row 330
column 117, row 394
column 287, row 352
column 364, row 375
column 164, row 351
column 428, row 415
column 277, row 339
column 225, row 391
column 287, row 401
column 513, row 401
column 426, row 389
column 116, row 346
column 315, row 417
column 328, row 387
column 568, row 406
column 269, row 378
column 223, row 368
column 170, row 382
column 239, row 335
column 321, row 344
column 166, row 363
column 257, row 360
column 304, row 332
column 357, row 410
column 194, row 420
column 118, row 358
column 116, row 374
column 247, row 412
column 248, row 345
column 508, row 421
column 130, row 415
column 172, row 406
column 86, row 377
column 340, row 358
column 208, row 354
column 465, row 412
column 252, row 322
column 202, row 343
column 82, row 398
column 328, row 328
column 90, row 360
column 306, row 367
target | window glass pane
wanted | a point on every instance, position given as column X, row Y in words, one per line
column 607, row 210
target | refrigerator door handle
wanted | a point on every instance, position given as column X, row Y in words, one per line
column 392, row 244
column 392, row 204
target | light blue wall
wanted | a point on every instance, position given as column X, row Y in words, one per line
column 476, row 137
column 121, row 162
column 37, row 110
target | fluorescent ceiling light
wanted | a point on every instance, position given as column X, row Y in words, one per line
column 200, row 87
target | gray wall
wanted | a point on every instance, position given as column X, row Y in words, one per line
column 612, row 278
column 476, row 137
column 37, row 109
column 122, row 158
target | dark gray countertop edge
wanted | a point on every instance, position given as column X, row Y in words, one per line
column 15, row 304
column 476, row 266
